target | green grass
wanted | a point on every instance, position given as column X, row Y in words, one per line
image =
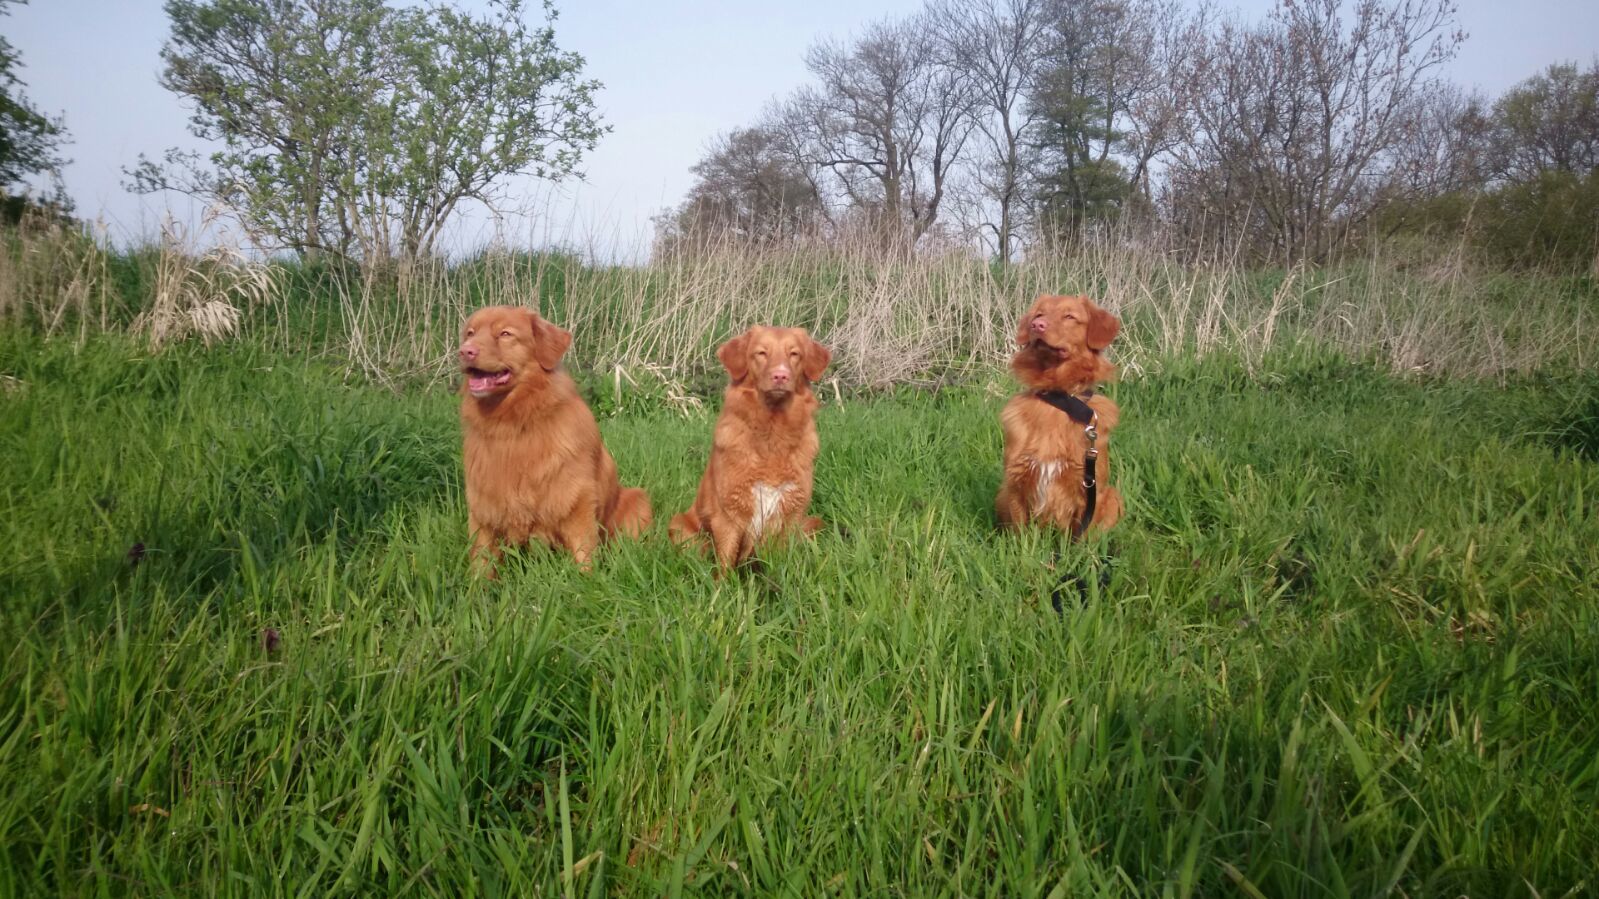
column 1349, row 645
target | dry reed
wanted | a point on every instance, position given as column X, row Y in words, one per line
column 892, row 317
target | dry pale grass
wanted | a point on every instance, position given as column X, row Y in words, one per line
column 892, row 316
column 56, row 277
column 201, row 293
column 53, row 275
column 918, row 318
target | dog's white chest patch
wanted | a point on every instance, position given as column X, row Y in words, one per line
column 1045, row 478
column 768, row 507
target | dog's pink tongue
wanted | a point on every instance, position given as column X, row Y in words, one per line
column 479, row 383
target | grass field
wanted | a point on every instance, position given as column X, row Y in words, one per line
column 1348, row 646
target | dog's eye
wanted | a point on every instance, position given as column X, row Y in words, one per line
column 505, row 333
column 470, row 332
column 760, row 354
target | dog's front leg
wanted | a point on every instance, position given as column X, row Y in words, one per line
column 580, row 533
column 729, row 539
column 485, row 552
column 1009, row 507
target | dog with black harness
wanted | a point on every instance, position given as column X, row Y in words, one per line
column 1057, row 432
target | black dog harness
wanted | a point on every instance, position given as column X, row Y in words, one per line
column 1078, row 410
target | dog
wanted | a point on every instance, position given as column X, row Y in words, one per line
column 535, row 466
column 757, row 485
column 1060, row 360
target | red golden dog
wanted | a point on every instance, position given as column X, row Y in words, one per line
column 535, row 466
column 758, row 482
column 1062, row 340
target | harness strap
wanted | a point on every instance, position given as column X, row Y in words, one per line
column 1078, row 410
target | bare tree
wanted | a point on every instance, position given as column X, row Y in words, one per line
column 749, row 188
column 998, row 44
column 1296, row 121
column 1446, row 148
column 885, row 121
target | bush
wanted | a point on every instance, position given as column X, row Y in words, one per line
column 1549, row 222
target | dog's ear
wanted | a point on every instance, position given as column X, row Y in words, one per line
column 1102, row 327
column 549, row 342
column 1024, row 331
column 734, row 358
column 815, row 359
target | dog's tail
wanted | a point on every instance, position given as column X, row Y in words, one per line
column 684, row 526
column 632, row 512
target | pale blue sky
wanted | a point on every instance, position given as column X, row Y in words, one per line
column 675, row 74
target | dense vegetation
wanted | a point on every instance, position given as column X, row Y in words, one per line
column 1346, row 642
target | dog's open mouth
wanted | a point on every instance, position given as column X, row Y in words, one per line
column 481, row 383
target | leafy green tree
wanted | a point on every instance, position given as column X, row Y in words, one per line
column 1079, row 181
column 30, row 141
column 1104, row 105
column 282, row 85
column 1549, row 123
column 358, row 128
column 472, row 101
